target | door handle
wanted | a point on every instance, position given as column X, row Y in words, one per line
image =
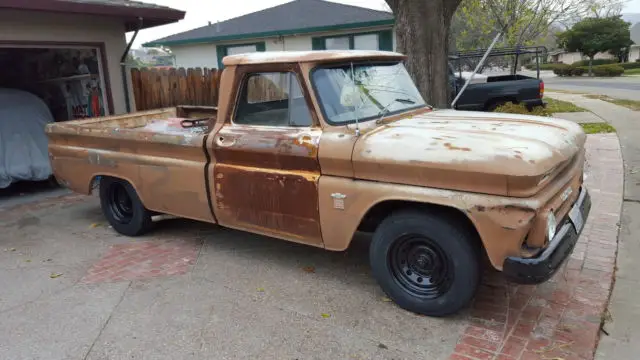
column 224, row 142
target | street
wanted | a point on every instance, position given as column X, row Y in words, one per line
column 621, row 88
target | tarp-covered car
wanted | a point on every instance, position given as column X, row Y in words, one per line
column 23, row 142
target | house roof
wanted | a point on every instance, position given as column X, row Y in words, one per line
column 292, row 18
column 308, row 56
column 130, row 11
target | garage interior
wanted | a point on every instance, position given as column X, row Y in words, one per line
column 66, row 81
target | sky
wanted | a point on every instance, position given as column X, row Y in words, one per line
column 200, row 12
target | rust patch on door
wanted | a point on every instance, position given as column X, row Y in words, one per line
column 281, row 202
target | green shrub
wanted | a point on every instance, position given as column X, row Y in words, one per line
column 608, row 70
column 546, row 66
column 511, row 108
column 595, row 62
column 543, row 67
column 568, row 70
column 577, row 71
column 562, row 70
column 631, row 65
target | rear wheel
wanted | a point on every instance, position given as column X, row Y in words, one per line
column 123, row 208
column 426, row 264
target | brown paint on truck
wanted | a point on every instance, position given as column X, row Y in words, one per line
column 314, row 185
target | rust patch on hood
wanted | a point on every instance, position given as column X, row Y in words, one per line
column 475, row 154
column 452, row 147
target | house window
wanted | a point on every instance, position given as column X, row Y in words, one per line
column 225, row 50
column 234, row 50
column 381, row 40
column 338, row 43
column 272, row 99
column 366, row 42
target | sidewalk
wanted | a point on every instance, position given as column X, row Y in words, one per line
column 624, row 307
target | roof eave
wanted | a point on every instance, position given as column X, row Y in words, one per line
column 152, row 16
column 267, row 34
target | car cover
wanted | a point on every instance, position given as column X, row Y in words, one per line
column 23, row 141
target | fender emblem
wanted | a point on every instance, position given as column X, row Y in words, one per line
column 338, row 200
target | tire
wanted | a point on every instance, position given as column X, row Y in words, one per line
column 411, row 250
column 123, row 208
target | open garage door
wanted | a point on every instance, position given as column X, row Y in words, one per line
column 39, row 85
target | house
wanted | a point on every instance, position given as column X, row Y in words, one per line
column 299, row 25
column 150, row 55
column 566, row 57
column 68, row 52
column 634, row 53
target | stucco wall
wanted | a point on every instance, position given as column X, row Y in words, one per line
column 570, row 58
column 202, row 55
column 634, row 54
column 46, row 27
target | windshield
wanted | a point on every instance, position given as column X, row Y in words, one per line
column 378, row 90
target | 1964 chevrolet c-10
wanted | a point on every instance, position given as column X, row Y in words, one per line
column 313, row 147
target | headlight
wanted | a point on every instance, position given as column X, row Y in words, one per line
column 552, row 224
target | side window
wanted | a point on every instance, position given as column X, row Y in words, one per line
column 272, row 99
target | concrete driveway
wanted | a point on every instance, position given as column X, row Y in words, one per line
column 70, row 288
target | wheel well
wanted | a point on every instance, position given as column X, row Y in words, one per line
column 380, row 211
column 95, row 182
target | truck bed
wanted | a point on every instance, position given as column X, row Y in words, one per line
column 140, row 125
column 162, row 160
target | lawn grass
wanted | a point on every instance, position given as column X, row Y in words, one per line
column 630, row 104
column 632, row 72
column 559, row 106
column 597, row 128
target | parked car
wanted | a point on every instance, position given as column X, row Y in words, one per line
column 312, row 147
column 486, row 92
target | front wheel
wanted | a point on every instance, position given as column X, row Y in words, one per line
column 123, row 208
column 425, row 263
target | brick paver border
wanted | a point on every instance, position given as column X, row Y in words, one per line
column 559, row 319
column 144, row 260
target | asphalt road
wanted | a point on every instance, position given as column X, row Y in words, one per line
column 621, row 88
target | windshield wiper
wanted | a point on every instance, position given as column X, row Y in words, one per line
column 385, row 110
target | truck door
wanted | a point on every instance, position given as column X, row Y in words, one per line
column 266, row 158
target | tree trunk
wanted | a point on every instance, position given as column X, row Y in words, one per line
column 590, row 66
column 422, row 28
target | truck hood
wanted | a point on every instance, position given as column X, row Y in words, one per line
column 502, row 154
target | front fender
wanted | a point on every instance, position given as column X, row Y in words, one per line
column 501, row 222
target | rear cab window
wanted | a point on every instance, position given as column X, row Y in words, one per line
column 272, row 99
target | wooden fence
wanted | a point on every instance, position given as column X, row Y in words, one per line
column 155, row 88
column 158, row 88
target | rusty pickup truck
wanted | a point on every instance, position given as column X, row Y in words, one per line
column 313, row 147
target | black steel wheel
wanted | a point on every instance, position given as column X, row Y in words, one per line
column 123, row 208
column 426, row 263
column 120, row 203
column 420, row 266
